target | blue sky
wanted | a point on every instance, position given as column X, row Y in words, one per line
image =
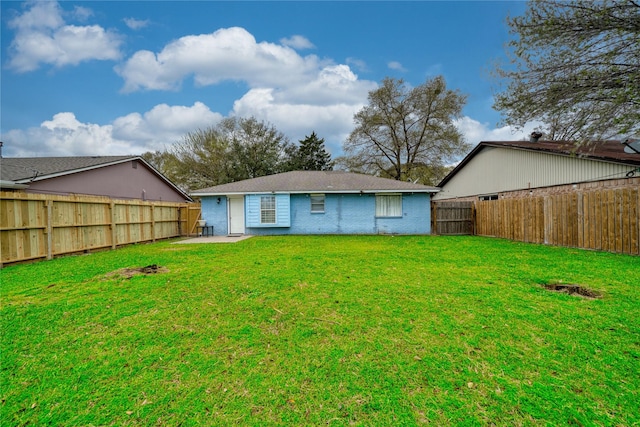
column 119, row 77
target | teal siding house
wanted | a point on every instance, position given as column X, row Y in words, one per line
column 317, row 202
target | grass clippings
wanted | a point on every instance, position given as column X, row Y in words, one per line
column 322, row 330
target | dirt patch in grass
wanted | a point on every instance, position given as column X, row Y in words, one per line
column 128, row 273
column 573, row 289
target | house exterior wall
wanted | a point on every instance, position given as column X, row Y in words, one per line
column 633, row 182
column 496, row 169
column 621, row 183
column 344, row 214
column 252, row 211
column 119, row 181
column 216, row 214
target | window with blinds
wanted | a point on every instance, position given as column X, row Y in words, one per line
column 268, row 209
column 388, row 205
column 317, row 203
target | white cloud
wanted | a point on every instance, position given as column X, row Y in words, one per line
column 43, row 15
column 43, row 38
column 163, row 125
column 296, row 94
column 164, row 122
column 226, row 54
column 135, row 133
column 395, row 65
column 297, row 42
column 136, row 24
column 334, row 84
column 82, row 13
column 475, row 132
column 358, row 64
column 296, row 120
column 325, row 104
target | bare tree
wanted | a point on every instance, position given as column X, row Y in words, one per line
column 405, row 128
column 575, row 66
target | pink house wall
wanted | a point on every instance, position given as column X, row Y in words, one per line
column 128, row 180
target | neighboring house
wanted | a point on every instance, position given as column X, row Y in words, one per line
column 119, row 177
column 317, row 202
column 495, row 168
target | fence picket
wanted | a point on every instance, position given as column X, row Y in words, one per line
column 34, row 226
column 601, row 219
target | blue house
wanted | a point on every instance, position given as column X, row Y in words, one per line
column 317, row 202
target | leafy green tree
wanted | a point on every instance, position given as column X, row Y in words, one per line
column 163, row 161
column 235, row 149
column 404, row 128
column 311, row 155
column 256, row 148
column 202, row 159
column 575, row 66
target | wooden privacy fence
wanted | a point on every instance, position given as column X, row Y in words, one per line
column 35, row 226
column 453, row 218
column 602, row 219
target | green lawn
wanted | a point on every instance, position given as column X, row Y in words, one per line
column 366, row 330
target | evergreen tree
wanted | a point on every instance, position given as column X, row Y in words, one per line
column 311, row 155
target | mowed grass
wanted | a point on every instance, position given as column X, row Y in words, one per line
column 333, row 330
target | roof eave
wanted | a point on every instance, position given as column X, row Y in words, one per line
column 318, row 191
column 533, row 148
column 70, row 171
column 102, row 165
column 12, row 185
column 164, row 178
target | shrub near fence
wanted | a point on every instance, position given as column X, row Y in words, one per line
column 602, row 219
column 34, row 226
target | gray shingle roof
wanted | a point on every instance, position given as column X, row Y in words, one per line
column 26, row 168
column 315, row 182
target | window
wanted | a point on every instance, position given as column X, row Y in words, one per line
column 267, row 209
column 488, row 197
column 389, row 205
column 317, row 203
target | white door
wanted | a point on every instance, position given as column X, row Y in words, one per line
column 236, row 215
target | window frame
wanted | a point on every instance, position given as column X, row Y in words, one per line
column 272, row 207
column 317, row 203
column 389, row 211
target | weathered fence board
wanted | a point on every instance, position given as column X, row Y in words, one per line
column 34, row 226
column 453, row 218
column 599, row 219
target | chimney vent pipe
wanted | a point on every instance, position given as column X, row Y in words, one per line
column 535, row 136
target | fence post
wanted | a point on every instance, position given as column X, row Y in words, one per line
column 49, row 225
column 434, row 218
column 153, row 223
column 112, row 226
column 473, row 218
